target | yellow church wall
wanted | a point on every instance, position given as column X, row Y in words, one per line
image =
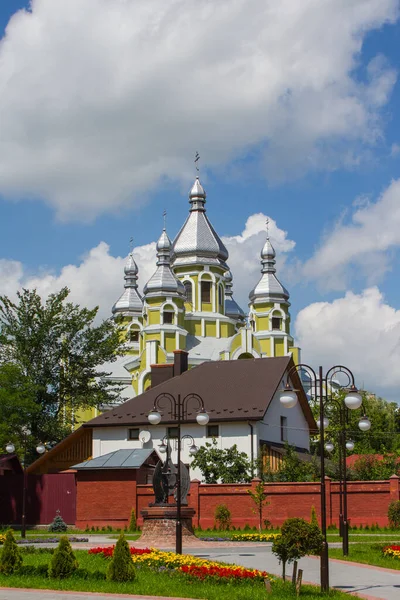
column 170, row 342
column 206, row 306
column 224, row 329
column 236, row 342
column 265, row 346
column 262, row 323
column 154, row 318
column 161, row 356
column 211, row 329
column 279, row 347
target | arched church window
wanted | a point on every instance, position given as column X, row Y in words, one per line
column 133, row 335
column 168, row 316
column 189, row 291
column 276, row 323
column 220, row 295
column 206, row 291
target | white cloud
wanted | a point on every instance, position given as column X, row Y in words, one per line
column 360, row 331
column 100, row 100
column 98, row 278
column 359, row 248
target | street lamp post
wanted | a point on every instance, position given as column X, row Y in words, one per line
column 319, row 387
column 40, row 449
column 179, row 413
column 345, row 445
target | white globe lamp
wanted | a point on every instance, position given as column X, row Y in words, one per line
column 353, row 398
column 154, row 417
column 288, row 397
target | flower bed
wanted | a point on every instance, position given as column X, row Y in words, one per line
column 244, row 537
column 44, row 540
column 198, row 568
column 391, row 551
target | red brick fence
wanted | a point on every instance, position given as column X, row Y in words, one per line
column 109, row 501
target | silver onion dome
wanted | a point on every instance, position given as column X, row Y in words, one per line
column 232, row 308
column 130, row 303
column 163, row 282
column 269, row 287
column 197, row 242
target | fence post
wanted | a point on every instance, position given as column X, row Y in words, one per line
column 394, row 488
column 328, row 500
column 194, row 501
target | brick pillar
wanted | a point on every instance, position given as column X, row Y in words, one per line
column 394, row 488
column 194, row 501
column 328, row 500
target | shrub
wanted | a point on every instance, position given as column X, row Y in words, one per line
column 10, row 559
column 298, row 538
column 97, row 575
column 314, row 519
column 81, row 573
column 58, row 525
column 63, row 562
column 223, row 517
column 394, row 514
column 121, row 566
column 132, row 522
column 42, row 570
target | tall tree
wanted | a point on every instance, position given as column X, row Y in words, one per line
column 59, row 350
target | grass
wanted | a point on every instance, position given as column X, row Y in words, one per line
column 369, row 554
column 157, row 583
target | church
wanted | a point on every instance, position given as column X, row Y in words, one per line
column 188, row 305
column 185, row 336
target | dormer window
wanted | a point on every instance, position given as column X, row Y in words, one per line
column 276, row 323
column 206, row 291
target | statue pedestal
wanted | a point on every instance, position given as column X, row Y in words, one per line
column 160, row 522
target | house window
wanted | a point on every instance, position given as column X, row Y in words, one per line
column 189, row 291
column 206, row 291
column 276, row 322
column 133, row 434
column 133, row 335
column 283, row 429
column 172, row 432
column 168, row 317
column 212, row 430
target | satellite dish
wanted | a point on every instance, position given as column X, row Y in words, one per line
column 144, row 436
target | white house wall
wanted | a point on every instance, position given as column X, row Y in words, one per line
column 269, row 430
column 109, row 439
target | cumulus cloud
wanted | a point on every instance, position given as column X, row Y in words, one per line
column 360, row 331
column 361, row 247
column 98, row 277
column 100, row 100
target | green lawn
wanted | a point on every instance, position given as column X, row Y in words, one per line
column 370, row 554
column 156, row 583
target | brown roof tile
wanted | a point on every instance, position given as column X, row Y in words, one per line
column 231, row 390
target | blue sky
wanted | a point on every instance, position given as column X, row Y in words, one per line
column 294, row 111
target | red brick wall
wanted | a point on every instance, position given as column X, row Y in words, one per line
column 107, row 499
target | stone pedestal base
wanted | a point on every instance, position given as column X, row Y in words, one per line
column 160, row 522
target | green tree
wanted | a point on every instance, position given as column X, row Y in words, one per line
column 121, row 566
column 60, row 351
column 133, row 521
column 259, row 497
column 17, row 403
column 225, row 466
column 291, row 468
column 10, row 558
column 63, row 562
column 298, row 538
